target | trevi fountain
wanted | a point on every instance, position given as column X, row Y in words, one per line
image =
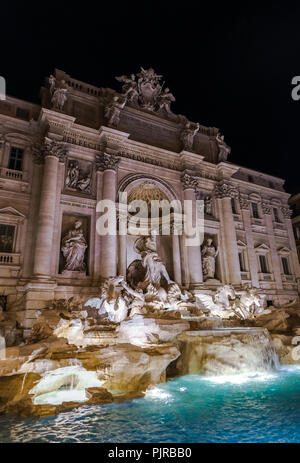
column 126, row 337
column 146, row 361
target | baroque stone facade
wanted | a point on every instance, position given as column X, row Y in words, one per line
column 84, row 144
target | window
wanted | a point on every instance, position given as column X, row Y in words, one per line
column 255, row 210
column 6, row 237
column 15, row 158
column 250, row 179
column 271, row 185
column 233, row 206
column 263, row 264
column 276, row 216
column 285, row 265
column 241, row 259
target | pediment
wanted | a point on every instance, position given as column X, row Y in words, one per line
column 12, row 212
column 262, row 248
column 284, row 250
column 241, row 244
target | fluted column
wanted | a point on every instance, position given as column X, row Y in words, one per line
column 252, row 258
column 109, row 242
column 276, row 267
column 193, row 252
column 97, row 256
column 51, row 153
column 224, row 191
column 286, row 211
column 176, row 259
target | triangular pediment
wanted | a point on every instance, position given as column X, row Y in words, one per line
column 11, row 211
column 241, row 244
column 262, row 248
column 284, row 250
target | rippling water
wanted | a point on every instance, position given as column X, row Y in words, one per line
column 192, row 408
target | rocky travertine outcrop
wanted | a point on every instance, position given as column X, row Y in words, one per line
column 67, row 346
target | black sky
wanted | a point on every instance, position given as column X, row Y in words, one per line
column 229, row 66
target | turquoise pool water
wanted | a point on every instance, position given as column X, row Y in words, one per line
column 192, row 408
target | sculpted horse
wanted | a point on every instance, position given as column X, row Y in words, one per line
column 219, row 304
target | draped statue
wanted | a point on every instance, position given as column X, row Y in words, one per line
column 209, row 254
column 73, row 248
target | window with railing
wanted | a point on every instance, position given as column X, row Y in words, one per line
column 6, row 237
column 15, row 158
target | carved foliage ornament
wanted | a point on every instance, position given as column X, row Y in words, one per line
column 225, row 189
column 266, row 208
column 188, row 181
column 107, row 161
column 244, row 203
column 286, row 212
column 49, row 148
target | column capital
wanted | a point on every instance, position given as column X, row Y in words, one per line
column 188, row 181
column 244, row 203
column 286, row 212
column 49, row 147
column 266, row 208
column 225, row 189
column 107, row 162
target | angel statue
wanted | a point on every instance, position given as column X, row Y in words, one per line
column 129, row 88
column 165, row 99
column 224, row 149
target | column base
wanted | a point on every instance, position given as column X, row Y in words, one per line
column 37, row 293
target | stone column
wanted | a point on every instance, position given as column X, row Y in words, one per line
column 122, row 261
column 52, row 152
column 97, row 257
column 109, row 243
column 286, row 211
column 267, row 211
column 252, row 257
column 193, row 252
column 224, row 191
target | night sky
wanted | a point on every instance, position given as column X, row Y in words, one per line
column 230, row 67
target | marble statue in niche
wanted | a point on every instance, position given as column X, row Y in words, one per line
column 73, row 248
column 209, row 254
column 188, row 134
column 224, row 149
column 208, row 205
column 79, row 176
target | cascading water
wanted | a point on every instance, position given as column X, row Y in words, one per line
column 2, row 348
column 64, row 385
column 226, row 352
